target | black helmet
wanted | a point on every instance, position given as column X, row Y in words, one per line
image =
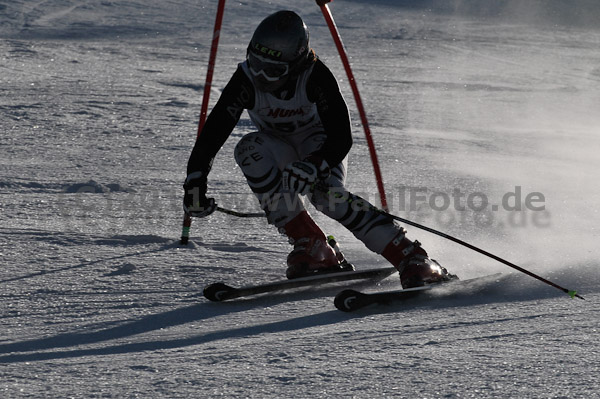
column 278, row 49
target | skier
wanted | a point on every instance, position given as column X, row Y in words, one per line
column 300, row 149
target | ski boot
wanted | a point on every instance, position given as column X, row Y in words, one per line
column 312, row 253
column 414, row 265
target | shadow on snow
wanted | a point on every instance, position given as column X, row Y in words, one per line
column 47, row 348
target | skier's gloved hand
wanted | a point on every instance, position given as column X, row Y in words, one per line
column 301, row 176
column 195, row 203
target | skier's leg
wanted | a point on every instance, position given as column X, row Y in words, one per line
column 371, row 227
column 261, row 157
column 378, row 232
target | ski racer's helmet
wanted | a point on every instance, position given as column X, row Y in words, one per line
column 278, row 49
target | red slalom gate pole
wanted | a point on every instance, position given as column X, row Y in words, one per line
column 211, row 64
column 187, row 220
column 361, row 110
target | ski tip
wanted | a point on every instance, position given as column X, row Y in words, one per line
column 217, row 292
column 346, row 300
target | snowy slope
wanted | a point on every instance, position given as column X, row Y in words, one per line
column 99, row 102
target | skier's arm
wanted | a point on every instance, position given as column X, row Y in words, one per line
column 324, row 91
column 236, row 96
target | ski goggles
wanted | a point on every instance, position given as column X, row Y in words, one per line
column 270, row 70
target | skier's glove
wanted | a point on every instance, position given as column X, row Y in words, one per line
column 301, row 176
column 195, row 203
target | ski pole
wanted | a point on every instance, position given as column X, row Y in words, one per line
column 359, row 104
column 241, row 214
column 362, row 203
column 187, row 220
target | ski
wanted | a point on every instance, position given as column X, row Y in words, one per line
column 218, row 292
column 351, row 300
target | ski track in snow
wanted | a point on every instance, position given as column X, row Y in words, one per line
column 45, row 19
column 99, row 102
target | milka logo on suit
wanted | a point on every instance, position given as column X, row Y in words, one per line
column 278, row 112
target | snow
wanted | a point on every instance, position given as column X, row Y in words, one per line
column 100, row 102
